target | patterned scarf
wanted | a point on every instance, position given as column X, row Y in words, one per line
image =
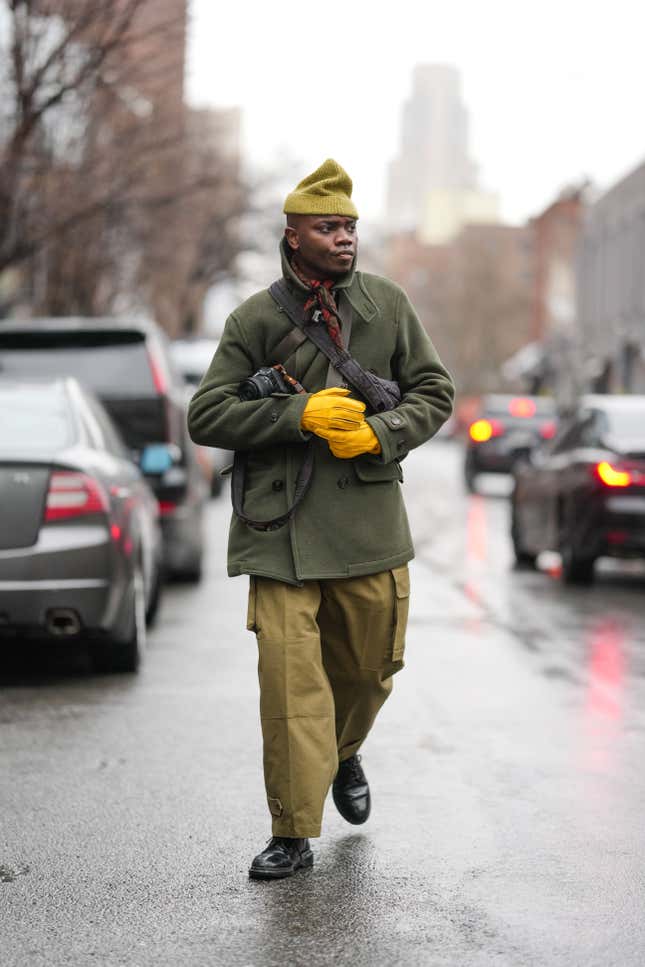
column 321, row 297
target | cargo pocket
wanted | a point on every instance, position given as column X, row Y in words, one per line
column 251, row 613
column 401, row 579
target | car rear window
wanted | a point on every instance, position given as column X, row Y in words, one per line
column 35, row 419
column 627, row 423
column 112, row 364
column 520, row 407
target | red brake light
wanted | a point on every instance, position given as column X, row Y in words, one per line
column 547, row 430
column 74, row 495
column 167, row 507
column 482, row 430
column 523, row 407
column 612, row 477
column 158, row 373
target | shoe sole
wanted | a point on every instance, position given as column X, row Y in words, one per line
column 306, row 862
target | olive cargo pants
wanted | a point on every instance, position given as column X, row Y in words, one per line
column 327, row 653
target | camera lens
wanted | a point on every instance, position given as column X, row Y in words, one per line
column 249, row 390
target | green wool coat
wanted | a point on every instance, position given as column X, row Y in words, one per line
column 352, row 520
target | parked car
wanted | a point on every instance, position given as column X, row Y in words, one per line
column 127, row 364
column 583, row 494
column 507, row 427
column 192, row 357
column 80, row 541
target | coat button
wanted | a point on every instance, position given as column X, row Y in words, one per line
column 274, row 416
column 395, row 420
column 277, row 485
column 343, row 482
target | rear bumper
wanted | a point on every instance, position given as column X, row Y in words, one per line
column 623, row 526
column 72, row 568
column 183, row 539
column 25, row 606
column 484, row 459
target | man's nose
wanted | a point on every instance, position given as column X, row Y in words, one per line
column 343, row 237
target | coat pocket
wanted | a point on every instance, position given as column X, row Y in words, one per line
column 401, row 579
column 251, row 612
column 378, row 472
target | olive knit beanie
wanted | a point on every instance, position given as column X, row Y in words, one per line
column 326, row 191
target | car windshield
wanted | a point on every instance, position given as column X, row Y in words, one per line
column 192, row 359
column 520, row 407
column 34, row 419
column 111, row 364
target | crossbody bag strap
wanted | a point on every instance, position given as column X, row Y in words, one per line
column 238, row 486
column 349, row 368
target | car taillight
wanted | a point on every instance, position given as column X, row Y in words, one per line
column 522, row 407
column 74, row 495
column 547, row 430
column 167, row 507
column 612, row 476
column 158, row 373
column 482, row 430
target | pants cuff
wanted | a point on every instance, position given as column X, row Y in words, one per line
column 280, row 828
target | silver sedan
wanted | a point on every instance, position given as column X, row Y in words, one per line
column 80, row 542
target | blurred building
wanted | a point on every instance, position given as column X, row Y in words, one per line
column 611, row 288
column 432, row 183
column 548, row 360
column 474, row 294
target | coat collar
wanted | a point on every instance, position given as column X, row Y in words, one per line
column 351, row 284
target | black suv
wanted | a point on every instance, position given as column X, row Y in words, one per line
column 127, row 364
column 507, row 427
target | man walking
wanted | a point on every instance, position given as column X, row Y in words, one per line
column 329, row 583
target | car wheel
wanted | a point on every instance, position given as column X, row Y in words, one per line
column 576, row 569
column 155, row 596
column 216, row 485
column 469, row 475
column 523, row 558
column 126, row 655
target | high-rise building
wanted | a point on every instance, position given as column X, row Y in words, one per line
column 432, row 184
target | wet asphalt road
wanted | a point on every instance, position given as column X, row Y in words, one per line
column 507, row 773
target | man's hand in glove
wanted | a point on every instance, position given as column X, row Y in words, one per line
column 346, row 444
column 331, row 411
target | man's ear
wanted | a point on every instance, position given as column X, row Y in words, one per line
column 291, row 236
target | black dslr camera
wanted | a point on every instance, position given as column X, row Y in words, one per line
column 267, row 380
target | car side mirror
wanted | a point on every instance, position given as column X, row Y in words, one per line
column 158, row 458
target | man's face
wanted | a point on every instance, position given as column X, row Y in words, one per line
column 326, row 244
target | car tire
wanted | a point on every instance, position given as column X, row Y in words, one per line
column 576, row 570
column 523, row 558
column 126, row 654
column 469, row 475
column 155, row 596
column 216, row 485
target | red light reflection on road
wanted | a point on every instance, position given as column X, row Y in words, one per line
column 476, row 530
column 606, row 669
column 476, row 554
column 605, row 689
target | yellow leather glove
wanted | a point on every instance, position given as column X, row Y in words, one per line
column 346, row 444
column 330, row 410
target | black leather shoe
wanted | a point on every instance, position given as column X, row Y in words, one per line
column 282, row 857
column 351, row 792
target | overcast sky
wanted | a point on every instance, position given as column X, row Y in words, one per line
column 555, row 89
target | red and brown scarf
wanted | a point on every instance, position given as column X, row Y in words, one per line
column 321, row 297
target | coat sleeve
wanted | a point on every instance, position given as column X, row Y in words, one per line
column 426, row 387
column 218, row 418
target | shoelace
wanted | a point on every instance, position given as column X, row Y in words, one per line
column 353, row 767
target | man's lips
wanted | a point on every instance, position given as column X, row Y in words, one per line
column 345, row 254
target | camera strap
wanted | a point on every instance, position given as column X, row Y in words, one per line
column 381, row 394
column 238, row 485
